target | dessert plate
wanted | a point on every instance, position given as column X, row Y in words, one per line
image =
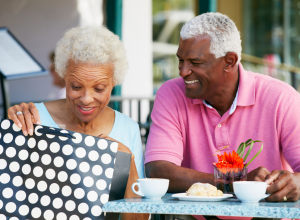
column 183, row 196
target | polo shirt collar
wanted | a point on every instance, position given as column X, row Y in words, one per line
column 246, row 91
column 246, row 88
column 233, row 106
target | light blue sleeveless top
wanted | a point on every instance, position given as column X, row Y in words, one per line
column 124, row 130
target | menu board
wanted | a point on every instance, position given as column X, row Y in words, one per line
column 15, row 60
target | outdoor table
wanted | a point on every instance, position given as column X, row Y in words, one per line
column 230, row 207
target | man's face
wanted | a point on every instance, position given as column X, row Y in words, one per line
column 201, row 71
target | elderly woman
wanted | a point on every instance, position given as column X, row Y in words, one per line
column 92, row 61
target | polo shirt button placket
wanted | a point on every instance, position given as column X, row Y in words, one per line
column 219, row 125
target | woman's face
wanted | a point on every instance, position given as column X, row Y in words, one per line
column 88, row 89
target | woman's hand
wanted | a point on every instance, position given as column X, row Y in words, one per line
column 121, row 147
column 24, row 116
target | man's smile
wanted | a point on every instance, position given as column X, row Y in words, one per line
column 191, row 81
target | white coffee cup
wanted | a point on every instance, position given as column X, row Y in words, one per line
column 151, row 188
column 250, row 191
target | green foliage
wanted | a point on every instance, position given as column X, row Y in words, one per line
column 241, row 150
column 167, row 5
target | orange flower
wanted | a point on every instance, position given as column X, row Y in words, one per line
column 229, row 161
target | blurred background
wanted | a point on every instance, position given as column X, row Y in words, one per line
column 149, row 29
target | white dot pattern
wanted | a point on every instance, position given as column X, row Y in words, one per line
column 21, row 195
column 83, row 208
column 79, row 193
column 4, row 178
column 31, row 142
column 80, row 152
column 62, row 137
column 42, row 145
column 10, row 207
column 34, row 157
column 3, row 164
column 24, row 210
column 57, row 203
column 89, row 141
column 67, row 150
column 10, row 152
column 48, row 215
column 46, row 159
column 36, row 212
column 14, row 166
column 33, row 198
column 5, row 124
column 17, row 181
column 16, row 128
column 20, row 140
column 61, row 216
column 58, row 161
column 23, row 154
column 93, row 155
column 54, row 147
column 77, row 139
column 45, row 200
column 62, row 176
column 102, row 144
column 54, row 188
column 54, row 177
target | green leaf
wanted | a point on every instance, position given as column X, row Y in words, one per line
column 256, row 153
column 239, row 150
column 250, row 148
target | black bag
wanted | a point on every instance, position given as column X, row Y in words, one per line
column 58, row 174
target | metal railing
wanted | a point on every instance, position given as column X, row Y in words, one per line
column 282, row 71
column 138, row 108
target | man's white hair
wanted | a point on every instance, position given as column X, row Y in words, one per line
column 224, row 35
column 95, row 45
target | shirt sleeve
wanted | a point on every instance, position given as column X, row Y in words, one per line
column 289, row 133
column 165, row 141
column 138, row 153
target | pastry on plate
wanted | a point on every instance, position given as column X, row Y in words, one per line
column 203, row 189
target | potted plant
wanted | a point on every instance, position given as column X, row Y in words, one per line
column 233, row 166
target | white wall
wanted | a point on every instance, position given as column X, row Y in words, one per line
column 38, row 24
column 137, row 39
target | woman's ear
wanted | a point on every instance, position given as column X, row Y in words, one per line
column 230, row 59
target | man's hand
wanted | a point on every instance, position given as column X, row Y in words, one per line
column 259, row 174
column 283, row 183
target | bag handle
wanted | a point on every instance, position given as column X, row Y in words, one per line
column 54, row 132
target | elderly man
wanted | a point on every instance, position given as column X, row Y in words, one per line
column 216, row 103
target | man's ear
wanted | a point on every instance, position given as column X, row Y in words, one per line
column 230, row 59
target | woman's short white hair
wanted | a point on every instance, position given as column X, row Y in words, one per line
column 224, row 35
column 95, row 45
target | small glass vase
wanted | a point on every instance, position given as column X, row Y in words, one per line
column 224, row 177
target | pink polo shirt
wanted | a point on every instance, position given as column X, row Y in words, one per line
column 187, row 132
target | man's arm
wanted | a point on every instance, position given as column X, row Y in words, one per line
column 181, row 178
column 282, row 182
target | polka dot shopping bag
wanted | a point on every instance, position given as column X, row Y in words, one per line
column 57, row 174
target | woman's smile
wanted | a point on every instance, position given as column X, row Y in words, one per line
column 86, row 110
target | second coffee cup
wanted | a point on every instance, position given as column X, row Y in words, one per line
column 250, row 191
column 151, row 188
